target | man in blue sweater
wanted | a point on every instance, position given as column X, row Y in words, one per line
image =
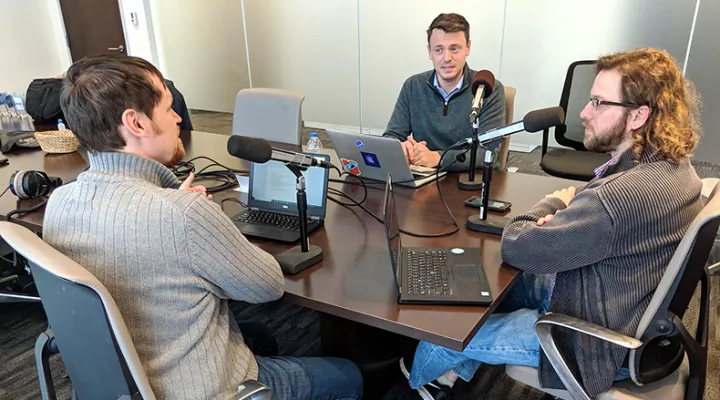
column 431, row 113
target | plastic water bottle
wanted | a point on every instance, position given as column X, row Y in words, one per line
column 61, row 125
column 314, row 145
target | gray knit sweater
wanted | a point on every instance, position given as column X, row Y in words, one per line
column 421, row 110
column 171, row 260
column 610, row 247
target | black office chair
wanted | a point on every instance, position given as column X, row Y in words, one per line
column 179, row 106
column 577, row 162
column 665, row 361
column 87, row 329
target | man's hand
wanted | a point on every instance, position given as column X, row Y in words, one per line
column 409, row 148
column 544, row 220
column 197, row 189
column 564, row 194
column 425, row 157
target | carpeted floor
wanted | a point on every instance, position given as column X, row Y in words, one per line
column 296, row 329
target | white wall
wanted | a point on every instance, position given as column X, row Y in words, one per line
column 139, row 36
column 309, row 46
column 33, row 45
column 543, row 38
column 393, row 46
column 201, row 48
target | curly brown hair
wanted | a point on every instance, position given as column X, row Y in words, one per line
column 653, row 78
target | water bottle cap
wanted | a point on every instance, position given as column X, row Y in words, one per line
column 59, row 121
column 313, row 134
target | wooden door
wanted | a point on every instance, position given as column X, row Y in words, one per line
column 93, row 27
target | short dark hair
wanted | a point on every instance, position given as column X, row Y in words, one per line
column 97, row 91
column 450, row 23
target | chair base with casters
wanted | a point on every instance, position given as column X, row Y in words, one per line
column 572, row 164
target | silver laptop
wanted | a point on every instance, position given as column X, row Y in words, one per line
column 374, row 157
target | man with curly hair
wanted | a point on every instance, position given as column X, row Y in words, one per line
column 596, row 252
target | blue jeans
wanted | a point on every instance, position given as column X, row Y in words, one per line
column 507, row 337
column 310, row 378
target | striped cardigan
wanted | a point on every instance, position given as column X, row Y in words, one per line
column 609, row 247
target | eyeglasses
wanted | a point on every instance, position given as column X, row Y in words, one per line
column 596, row 103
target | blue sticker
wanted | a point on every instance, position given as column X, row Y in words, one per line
column 360, row 144
column 370, row 159
column 457, row 251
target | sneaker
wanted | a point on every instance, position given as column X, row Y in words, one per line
column 433, row 390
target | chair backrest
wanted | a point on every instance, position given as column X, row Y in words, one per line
column 91, row 335
column 575, row 95
column 665, row 340
column 179, row 106
column 270, row 114
column 509, row 114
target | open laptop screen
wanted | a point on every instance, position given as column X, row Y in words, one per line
column 273, row 188
column 392, row 227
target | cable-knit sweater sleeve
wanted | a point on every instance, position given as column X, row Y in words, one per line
column 234, row 267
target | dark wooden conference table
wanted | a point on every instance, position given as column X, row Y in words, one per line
column 354, row 281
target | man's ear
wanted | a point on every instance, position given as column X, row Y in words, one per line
column 134, row 123
column 429, row 52
column 639, row 117
column 469, row 42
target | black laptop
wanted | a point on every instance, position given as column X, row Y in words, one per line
column 433, row 275
column 272, row 201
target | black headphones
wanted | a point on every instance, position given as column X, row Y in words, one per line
column 32, row 184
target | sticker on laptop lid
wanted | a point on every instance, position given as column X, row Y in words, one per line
column 370, row 159
column 350, row 166
column 457, row 250
column 359, row 144
column 484, row 293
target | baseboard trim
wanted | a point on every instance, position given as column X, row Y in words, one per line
column 344, row 128
column 523, row 148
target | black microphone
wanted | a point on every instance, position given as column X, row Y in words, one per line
column 259, row 151
column 482, row 87
column 533, row 121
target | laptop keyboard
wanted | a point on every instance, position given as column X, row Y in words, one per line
column 427, row 273
column 289, row 222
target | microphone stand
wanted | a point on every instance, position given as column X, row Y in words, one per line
column 300, row 257
column 468, row 182
column 484, row 222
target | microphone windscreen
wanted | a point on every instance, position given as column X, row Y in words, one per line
column 483, row 78
column 250, row 149
column 545, row 118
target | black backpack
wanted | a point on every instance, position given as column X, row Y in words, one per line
column 42, row 100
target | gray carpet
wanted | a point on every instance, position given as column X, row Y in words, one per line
column 296, row 329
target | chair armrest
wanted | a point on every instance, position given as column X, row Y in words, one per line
column 714, row 269
column 252, row 390
column 543, row 330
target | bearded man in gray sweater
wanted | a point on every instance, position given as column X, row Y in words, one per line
column 595, row 252
column 168, row 255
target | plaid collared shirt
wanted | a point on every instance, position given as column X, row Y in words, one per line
column 599, row 171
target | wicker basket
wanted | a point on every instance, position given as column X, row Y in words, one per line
column 57, row 141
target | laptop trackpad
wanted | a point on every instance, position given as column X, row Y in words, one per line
column 466, row 272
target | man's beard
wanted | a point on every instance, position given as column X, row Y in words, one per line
column 178, row 155
column 609, row 141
